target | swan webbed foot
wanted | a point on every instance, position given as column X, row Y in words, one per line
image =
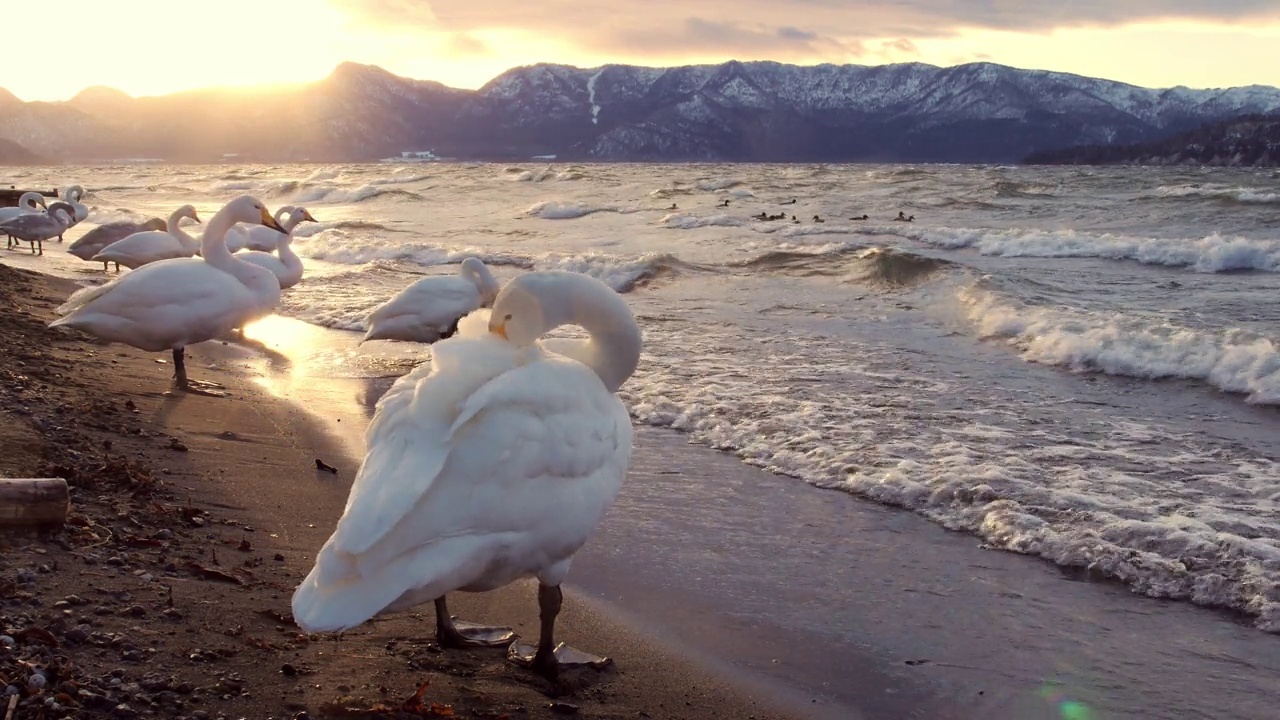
column 548, row 662
column 200, row 387
column 195, row 387
column 549, row 658
column 467, row 635
column 458, row 635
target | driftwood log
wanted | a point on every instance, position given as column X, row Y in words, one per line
column 10, row 197
column 33, row 502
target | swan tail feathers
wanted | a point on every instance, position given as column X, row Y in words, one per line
column 79, row 299
column 344, row 590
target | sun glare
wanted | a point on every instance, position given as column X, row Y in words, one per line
column 1160, row 54
column 149, row 47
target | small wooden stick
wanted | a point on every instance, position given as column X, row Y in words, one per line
column 13, row 705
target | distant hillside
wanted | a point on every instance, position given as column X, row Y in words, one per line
column 734, row 111
column 11, row 153
column 1246, row 141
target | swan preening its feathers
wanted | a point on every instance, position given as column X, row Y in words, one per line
column 429, row 309
column 169, row 304
column 494, row 463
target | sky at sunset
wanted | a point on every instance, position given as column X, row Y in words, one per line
column 149, row 47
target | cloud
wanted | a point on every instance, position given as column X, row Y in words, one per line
column 585, row 20
column 464, row 44
column 698, row 36
column 837, row 31
column 899, row 47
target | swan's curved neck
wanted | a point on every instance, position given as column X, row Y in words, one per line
column 30, row 202
column 290, row 223
column 484, row 282
column 213, row 243
column 612, row 350
column 174, row 228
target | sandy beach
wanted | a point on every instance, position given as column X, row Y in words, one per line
column 167, row 594
column 720, row 591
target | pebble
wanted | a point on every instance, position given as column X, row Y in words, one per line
column 124, row 711
column 7, row 641
column 136, row 610
column 26, row 577
column 77, row 635
column 37, row 681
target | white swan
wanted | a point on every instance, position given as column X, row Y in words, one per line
column 154, row 245
column 30, row 202
column 73, row 195
column 257, row 237
column 170, row 304
column 288, row 266
column 35, row 228
column 429, row 309
column 94, row 241
column 493, row 465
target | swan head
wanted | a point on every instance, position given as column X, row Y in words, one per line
column 300, row 214
column 248, row 209
column 65, row 209
column 73, row 193
column 187, row 211
column 535, row 303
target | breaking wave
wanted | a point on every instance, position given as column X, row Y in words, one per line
column 1214, row 253
column 1216, row 192
column 1232, row 360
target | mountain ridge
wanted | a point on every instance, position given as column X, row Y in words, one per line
column 1246, row 141
column 759, row 111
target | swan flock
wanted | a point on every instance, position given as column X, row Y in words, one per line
column 492, row 463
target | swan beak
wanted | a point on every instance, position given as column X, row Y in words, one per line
column 195, row 216
column 306, row 215
column 500, row 330
column 270, row 221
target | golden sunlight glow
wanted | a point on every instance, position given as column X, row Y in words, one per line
column 148, row 47
column 1165, row 54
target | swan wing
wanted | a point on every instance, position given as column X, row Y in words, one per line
column 423, row 310
column 264, row 260
column 148, row 246
column 159, row 306
column 236, row 239
column 92, row 242
column 508, row 478
column 263, row 239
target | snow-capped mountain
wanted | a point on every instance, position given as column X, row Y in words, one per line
column 758, row 111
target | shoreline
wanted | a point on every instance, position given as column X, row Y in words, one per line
column 181, row 595
column 785, row 594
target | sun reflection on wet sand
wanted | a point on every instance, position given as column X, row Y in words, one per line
column 327, row 372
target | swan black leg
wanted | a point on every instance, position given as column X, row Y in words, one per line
column 544, row 661
column 548, row 658
column 195, row 387
column 449, row 635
